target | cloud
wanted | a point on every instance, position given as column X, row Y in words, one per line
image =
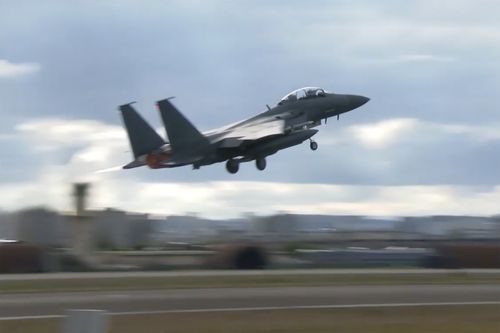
column 90, row 146
column 424, row 58
column 490, row 132
column 9, row 69
column 56, row 133
column 234, row 198
column 382, row 149
column 382, row 134
column 396, row 151
column 386, row 133
column 224, row 199
column 405, row 59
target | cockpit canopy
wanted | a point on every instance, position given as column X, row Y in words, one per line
column 303, row 93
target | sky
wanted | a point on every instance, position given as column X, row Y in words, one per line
column 428, row 142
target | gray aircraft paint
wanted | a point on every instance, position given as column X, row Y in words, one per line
column 287, row 124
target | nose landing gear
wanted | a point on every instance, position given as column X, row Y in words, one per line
column 313, row 145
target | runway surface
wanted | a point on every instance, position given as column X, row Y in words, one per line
column 104, row 275
column 14, row 306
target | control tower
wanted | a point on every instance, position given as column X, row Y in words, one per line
column 82, row 223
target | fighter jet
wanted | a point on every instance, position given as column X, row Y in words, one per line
column 289, row 123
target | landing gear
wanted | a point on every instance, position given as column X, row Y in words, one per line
column 313, row 145
column 232, row 166
column 260, row 163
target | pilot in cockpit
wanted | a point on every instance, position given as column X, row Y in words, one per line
column 310, row 93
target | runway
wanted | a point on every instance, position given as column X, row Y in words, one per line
column 215, row 273
column 17, row 306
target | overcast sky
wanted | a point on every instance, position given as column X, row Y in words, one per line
column 428, row 142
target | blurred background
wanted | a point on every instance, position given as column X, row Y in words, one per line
column 44, row 240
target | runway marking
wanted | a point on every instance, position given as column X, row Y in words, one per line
column 270, row 308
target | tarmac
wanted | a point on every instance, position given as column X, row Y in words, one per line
column 53, row 305
column 104, row 275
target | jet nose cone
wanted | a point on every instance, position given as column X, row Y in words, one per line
column 356, row 101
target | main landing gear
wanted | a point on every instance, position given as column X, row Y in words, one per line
column 232, row 166
column 260, row 163
column 313, row 145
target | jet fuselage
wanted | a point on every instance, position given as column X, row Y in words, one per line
column 287, row 124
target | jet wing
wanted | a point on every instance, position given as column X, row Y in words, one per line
column 252, row 131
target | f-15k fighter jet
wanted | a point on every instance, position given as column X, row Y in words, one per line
column 287, row 124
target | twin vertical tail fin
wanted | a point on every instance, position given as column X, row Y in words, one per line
column 187, row 144
column 186, row 141
column 143, row 138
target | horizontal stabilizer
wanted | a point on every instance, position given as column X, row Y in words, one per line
column 134, row 164
column 143, row 138
column 183, row 137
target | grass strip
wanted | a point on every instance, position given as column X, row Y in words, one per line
column 177, row 282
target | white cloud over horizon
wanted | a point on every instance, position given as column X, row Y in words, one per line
column 382, row 134
column 10, row 69
column 58, row 133
column 95, row 145
column 230, row 199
